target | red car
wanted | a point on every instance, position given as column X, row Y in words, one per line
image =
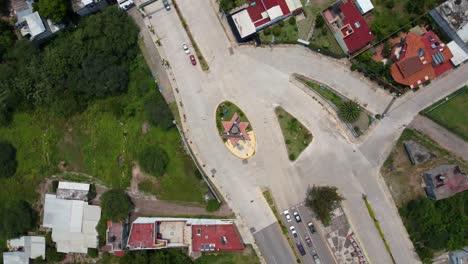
column 192, row 59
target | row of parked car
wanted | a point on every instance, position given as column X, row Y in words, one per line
column 308, row 240
column 127, row 4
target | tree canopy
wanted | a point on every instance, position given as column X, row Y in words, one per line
column 88, row 62
column 436, row 225
column 8, row 163
column 17, row 218
column 322, row 200
column 116, row 205
column 157, row 112
column 56, row 10
column 153, row 160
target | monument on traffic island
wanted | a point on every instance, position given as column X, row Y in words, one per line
column 235, row 130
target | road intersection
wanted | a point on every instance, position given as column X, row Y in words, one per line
column 257, row 80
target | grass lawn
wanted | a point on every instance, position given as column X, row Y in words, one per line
column 247, row 256
column 324, row 92
column 323, row 39
column 403, row 178
column 103, row 142
column 452, row 114
column 296, row 136
column 282, row 32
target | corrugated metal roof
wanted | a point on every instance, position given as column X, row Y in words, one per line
column 364, row 6
column 74, row 186
column 459, row 55
column 35, row 24
column 15, row 258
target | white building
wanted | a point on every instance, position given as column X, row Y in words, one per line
column 459, row 55
column 364, row 6
column 73, row 223
column 23, row 249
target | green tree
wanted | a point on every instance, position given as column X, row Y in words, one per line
column 8, row 163
column 153, row 160
column 157, row 112
column 212, row 205
column 7, row 37
column 17, row 218
column 56, row 10
column 319, row 21
column 322, row 200
column 116, row 205
column 349, row 111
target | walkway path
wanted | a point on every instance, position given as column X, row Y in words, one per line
column 441, row 135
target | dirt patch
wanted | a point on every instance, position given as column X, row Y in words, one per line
column 145, row 128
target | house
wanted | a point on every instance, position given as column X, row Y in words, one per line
column 198, row 235
column 364, row 6
column 86, row 7
column 459, row 54
column 419, row 58
column 459, row 256
column 22, row 249
column 348, row 26
column 452, row 18
column 116, row 238
column 444, row 181
column 260, row 14
column 73, row 191
column 73, row 222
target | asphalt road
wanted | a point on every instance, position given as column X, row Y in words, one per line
column 257, row 80
column 272, row 246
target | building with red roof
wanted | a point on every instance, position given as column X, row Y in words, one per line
column 419, row 58
column 198, row 235
column 260, row 14
column 350, row 28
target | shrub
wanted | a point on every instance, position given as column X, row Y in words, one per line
column 353, row 67
column 8, row 163
column 157, row 111
column 267, row 31
column 281, row 23
column 349, row 111
column 292, row 156
column 319, row 21
column 322, row 200
column 292, row 21
column 153, row 160
column 17, row 218
column 389, row 4
column 276, row 31
column 212, row 206
column 93, row 253
column 116, row 205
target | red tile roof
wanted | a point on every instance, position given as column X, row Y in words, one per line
column 214, row 234
column 228, row 125
column 142, row 236
column 361, row 35
column 255, row 10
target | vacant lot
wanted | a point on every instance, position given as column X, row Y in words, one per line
column 404, row 179
column 296, row 136
column 103, row 141
column 247, row 256
column 452, row 113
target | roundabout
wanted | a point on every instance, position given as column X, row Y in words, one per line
column 235, row 130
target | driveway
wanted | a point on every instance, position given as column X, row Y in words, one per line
column 257, row 80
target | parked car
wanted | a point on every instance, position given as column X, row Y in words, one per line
column 125, row 4
column 311, row 227
column 300, row 248
column 186, row 49
column 317, row 260
column 308, row 241
column 298, row 218
column 286, row 214
column 293, row 231
column 166, row 5
column 193, row 60
column 313, row 253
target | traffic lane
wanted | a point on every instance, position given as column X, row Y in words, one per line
column 272, row 247
column 301, row 236
column 318, row 242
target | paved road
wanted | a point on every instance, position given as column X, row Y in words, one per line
column 441, row 135
column 257, row 80
column 272, row 245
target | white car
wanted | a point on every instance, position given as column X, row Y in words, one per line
column 125, row 4
column 287, row 215
column 293, row 231
column 186, row 49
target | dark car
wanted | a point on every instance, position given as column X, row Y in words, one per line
column 301, row 248
column 308, row 241
column 193, row 60
column 297, row 217
column 166, row 5
column 311, row 227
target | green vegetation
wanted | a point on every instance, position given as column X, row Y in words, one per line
column 8, row 163
column 56, row 10
column 283, row 32
column 212, row 206
column 163, row 256
column 17, row 218
column 326, row 93
column 404, row 178
column 153, row 160
column 451, row 112
column 296, row 136
column 436, row 225
column 93, row 252
column 157, row 112
column 228, row 5
column 323, row 40
column 116, row 205
column 51, row 253
column 203, row 63
column 349, row 111
column 322, row 200
column 389, row 16
column 379, row 228
column 7, row 37
column 365, row 62
column 247, row 256
column 225, row 111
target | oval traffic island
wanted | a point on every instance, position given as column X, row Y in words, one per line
column 235, row 130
